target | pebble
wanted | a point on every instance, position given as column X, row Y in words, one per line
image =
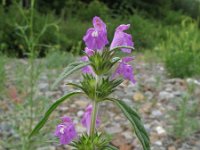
column 156, row 113
column 128, row 135
column 138, row 96
column 115, row 128
column 159, row 143
column 80, row 113
column 164, row 95
column 160, row 130
column 43, row 86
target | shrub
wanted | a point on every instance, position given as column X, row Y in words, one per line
column 13, row 42
column 181, row 50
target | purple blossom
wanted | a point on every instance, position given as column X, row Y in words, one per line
column 87, row 69
column 86, row 120
column 122, row 39
column 65, row 131
column 96, row 37
column 125, row 70
column 89, row 52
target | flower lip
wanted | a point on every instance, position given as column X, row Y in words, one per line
column 122, row 39
column 123, row 27
column 98, row 24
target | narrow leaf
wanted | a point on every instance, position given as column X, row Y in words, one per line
column 49, row 111
column 71, row 68
column 136, row 122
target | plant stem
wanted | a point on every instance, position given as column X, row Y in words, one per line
column 32, row 58
column 93, row 118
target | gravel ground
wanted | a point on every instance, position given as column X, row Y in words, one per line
column 153, row 95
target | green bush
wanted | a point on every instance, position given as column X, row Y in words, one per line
column 181, row 50
column 13, row 42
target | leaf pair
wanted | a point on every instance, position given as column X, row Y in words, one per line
column 97, row 90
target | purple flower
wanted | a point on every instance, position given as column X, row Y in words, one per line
column 65, row 131
column 89, row 52
column 86, row 120
column 122, row 39
column 96, row 38
column 87, row 69
column 125, row 70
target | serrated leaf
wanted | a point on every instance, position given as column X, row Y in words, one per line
column 136, row 122
column 71, row 68
column 49, row 111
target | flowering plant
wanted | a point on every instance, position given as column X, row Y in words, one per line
column 98, row 82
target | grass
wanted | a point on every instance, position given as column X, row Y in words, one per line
column 185, row 119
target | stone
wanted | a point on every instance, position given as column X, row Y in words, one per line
column 128, row 135
column 160, row 130
column 43, row 86
column 149, row 95
column 164, row 95
column 156, row 113
column 138, row 96
column 81, row 103
column 193, row 81
column 80, row 113
column 171, row 148
column 113, row 129
column 146, row 108
column 159, row 143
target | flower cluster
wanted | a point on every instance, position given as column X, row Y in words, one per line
column 96, row 39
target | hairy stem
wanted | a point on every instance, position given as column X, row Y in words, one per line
column 93, row 118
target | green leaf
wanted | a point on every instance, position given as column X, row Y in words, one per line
column 49, row 111
column 71, row 68
column 136, row 122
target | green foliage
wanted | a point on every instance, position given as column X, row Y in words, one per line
column 57, row 59
column 97, row 91
column 181, row 50
column 102, row 63
column 14, row 26
column 49, row 111
column 185, row 120
column 99, row 142
column 135, row 121
column 94, row 8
